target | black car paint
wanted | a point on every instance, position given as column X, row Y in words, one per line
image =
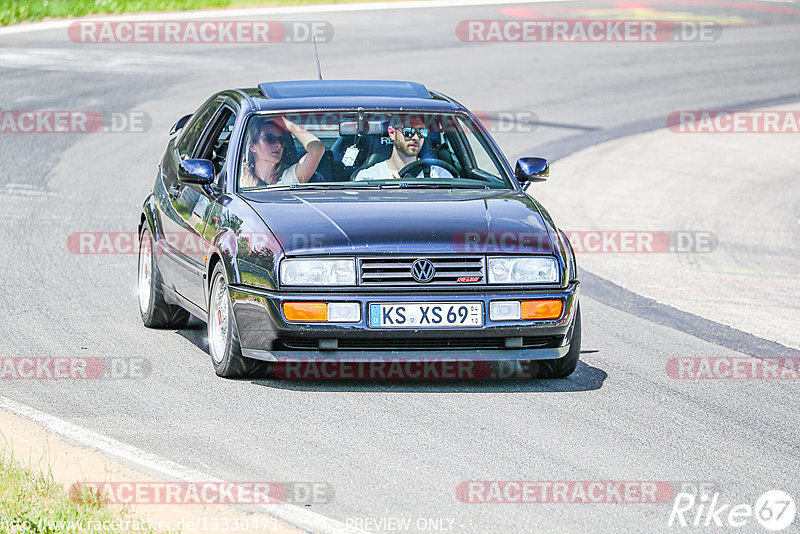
column 226, row 225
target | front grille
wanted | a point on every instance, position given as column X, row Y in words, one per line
column 396, row 270
column 442, row 343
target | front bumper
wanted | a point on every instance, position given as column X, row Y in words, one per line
column 265, row 334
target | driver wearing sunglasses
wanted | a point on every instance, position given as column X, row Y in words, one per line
column 408, row 135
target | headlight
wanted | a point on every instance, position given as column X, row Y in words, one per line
column 297, row 272
column 527, row 270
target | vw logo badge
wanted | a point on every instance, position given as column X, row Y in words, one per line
column 422, row 271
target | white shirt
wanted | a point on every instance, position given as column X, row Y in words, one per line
column 382, row 171
column 289, row 176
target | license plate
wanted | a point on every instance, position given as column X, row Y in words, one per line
column 426, row 315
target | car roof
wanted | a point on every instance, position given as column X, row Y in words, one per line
column 347, row 94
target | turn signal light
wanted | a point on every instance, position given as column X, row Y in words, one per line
column 317, row 312
column 541, row 309
column 305, row 311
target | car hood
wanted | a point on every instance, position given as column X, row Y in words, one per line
column 402, row 221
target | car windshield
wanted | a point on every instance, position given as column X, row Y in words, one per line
column 367, row 150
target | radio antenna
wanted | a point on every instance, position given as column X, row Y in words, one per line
column 316, row 54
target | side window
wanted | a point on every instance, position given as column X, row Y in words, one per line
column 217, row 139
column 197, row 124
column 482, row 159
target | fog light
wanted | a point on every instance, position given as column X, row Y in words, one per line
column 344, row 312
column 541, row 309
column 305, row 311
column 504, row 310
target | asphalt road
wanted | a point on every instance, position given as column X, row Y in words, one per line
column 396, row 450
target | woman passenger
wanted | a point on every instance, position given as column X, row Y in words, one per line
column 265, row 158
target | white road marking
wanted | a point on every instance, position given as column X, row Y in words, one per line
column 267, row 11
column 104, row 61
column 295, row 516
column 27, row 190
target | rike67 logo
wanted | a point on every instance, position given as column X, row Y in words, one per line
column 774, row 510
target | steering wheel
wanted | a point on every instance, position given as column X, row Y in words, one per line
column 414, row 167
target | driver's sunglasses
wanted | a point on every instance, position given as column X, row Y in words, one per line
column 271, row 139
column 409, row 132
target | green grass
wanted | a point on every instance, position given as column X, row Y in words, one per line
column 16, row 11
column 33, row 502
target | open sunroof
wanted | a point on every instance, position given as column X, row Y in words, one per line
column 323, row 88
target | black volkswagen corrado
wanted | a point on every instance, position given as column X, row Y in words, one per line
column 448, row 259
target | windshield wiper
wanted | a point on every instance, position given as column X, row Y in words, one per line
column 318, row 186
column 412, row 185
column 332, row 186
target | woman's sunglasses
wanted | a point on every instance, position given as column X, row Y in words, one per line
column 409, row 132
column 270, row 139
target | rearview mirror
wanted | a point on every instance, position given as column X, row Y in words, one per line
column 366, row 128
column 531, row 170
column 196, row 171
column 180, row 124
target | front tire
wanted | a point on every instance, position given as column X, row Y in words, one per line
column 566, row 365
column 223, row 335
column 154, row 309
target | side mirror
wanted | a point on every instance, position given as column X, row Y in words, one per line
column 180, row 124
column 196, row 171
column 531, row 170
